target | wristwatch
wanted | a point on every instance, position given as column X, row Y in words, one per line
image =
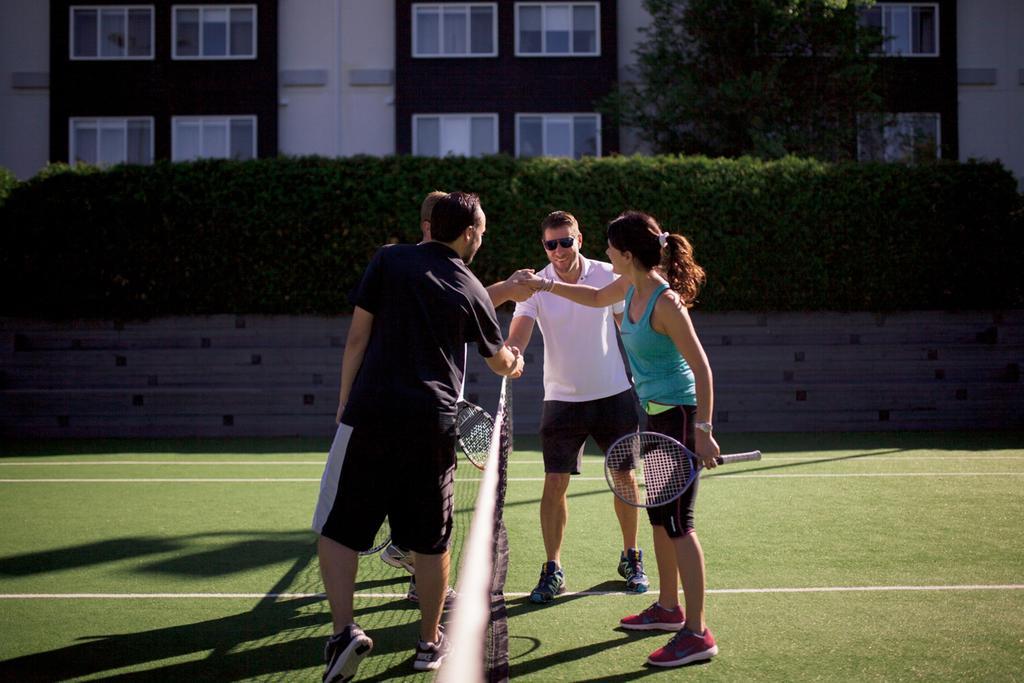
column 703, row 426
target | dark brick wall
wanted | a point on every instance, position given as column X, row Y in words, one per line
column 163, row 87
column 505, row 84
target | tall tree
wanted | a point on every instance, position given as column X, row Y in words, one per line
column 760, row 77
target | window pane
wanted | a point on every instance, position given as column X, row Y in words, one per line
column 924, row 30
column 454, row 31
column 215, row 139
column 427, row 27
column 140, row 134
column 242, row 25
column 531, row 136
column 897, row 138
column 112, row 30
column 428, row 137
column 556, row 32
column 186, row 141
column 242, row 139
column 188, row 32
column 481, row 136
column 215, row 32
column 925, row 136
column 112, row 148
column 455, row 136
column 481, row 30
column 584, row 136
column 85, row 32
column 530, row 29
column 85, row 143
column 869, row 137
column 558, row 137
column 898, row 28
column 139, row 23
column 872, row 18
column 584, row 29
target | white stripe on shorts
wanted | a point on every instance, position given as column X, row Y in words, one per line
column 330, row 479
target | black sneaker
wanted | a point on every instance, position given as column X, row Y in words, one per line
column 429, row 656
column 551, row 583
column 344, row 652
column 631, row 568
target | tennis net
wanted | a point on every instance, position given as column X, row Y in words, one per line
column 479, row 628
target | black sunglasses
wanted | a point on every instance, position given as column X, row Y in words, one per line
column 564, row 242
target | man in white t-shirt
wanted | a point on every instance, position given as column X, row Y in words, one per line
column 586, row 393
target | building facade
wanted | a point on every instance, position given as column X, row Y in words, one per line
column 109, row 81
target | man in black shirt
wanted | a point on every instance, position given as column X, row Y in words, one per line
column 394, row 451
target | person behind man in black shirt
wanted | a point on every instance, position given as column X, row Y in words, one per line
column 394, row 451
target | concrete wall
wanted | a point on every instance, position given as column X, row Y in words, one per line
column 990, row 60
column 275, row 376
column 632, row 17
column 24, row 85
column 337, row 77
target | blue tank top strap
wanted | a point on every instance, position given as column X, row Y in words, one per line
column 650, row 303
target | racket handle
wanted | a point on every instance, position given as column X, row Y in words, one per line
column 738, row 457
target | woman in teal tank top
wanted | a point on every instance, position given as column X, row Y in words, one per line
column 659, row 282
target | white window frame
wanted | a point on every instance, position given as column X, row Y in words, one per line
column 99, row 37
column 201, row 9
column 558, row 115
column 416, row 118
column 468, row 6
column 108, row 122
column 543, row 29
column 885, row 51
column 897, row 116
column 175, row 120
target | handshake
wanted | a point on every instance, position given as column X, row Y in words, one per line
column 527, row 278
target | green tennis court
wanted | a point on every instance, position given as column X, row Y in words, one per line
column 836, row 557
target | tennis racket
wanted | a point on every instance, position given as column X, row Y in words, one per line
column 648, row 469
column 474, row 426
column 381, row 540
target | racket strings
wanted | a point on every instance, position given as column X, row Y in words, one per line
column 645, row 470
column 475, row 427
column 665, row 474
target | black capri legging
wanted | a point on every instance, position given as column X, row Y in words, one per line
column 677, row 516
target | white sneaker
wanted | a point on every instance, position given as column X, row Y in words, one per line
column 413, row 596
column 397, row 558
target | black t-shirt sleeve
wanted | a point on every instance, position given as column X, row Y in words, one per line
column 485, row 330
column 368, row 292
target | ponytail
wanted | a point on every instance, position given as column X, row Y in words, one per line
column 639, row 234
column 683, row 273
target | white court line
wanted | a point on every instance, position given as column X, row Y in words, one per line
column 286, row 596
column 65, row 463
column 272, row 480
column 595, row 462
column 165, row 480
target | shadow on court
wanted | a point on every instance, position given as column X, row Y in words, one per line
column 19, row 448
column 250, row 551
column 96, row 654
column 277, row 639
column 801, row 463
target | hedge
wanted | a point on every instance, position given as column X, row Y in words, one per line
column 281, row 236
column 8, row 181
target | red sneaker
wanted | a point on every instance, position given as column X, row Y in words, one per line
column 684, row 648
column 655, row 618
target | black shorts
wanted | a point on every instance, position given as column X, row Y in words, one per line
column 677, row 516
column 565, row 426
column 374, row 472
